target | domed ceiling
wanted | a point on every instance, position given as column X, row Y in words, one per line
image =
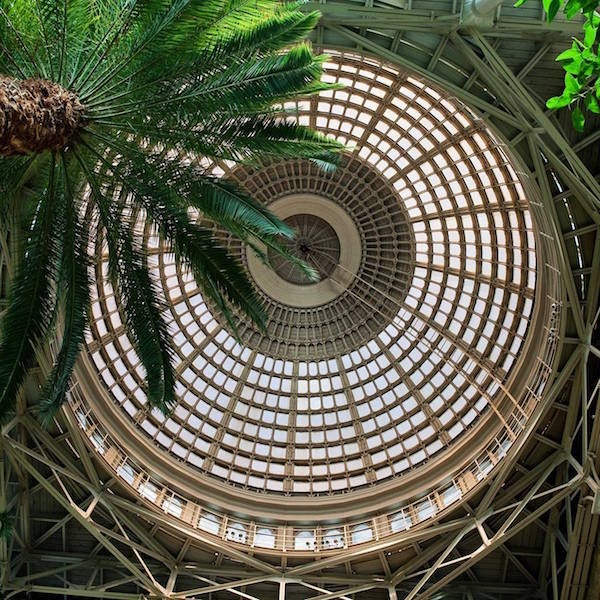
column 402, row 376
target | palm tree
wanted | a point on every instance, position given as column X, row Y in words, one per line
column 105, row 109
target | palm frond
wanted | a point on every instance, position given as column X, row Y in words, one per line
column 271, row 33
column 30, row 300
column 74, row 296
column 250, row 85
column 13, row 175
column 146, row 326
column 144, row 175
column 270, row 138
column 251, row 139
column 153, row 19
column 159, row 79
column 223, row 280
column 217, row 199
column 111, row 21
column 228, row 207
column 49, row 17
column 7, row 524
column 17, row 43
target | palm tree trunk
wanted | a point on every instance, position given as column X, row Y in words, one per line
column 36, row 115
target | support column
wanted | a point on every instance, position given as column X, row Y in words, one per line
column 282, row 589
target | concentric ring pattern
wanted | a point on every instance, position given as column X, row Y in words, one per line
column 362, row 294
column 316, row 243
column 422, row 351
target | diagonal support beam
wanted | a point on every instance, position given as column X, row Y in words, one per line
column 458, row 91
column 474, row 557
column 87, row 523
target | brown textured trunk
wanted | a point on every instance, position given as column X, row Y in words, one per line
column 36, row 115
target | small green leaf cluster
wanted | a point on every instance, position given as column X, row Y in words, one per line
column 582, row 71
column 581, row 62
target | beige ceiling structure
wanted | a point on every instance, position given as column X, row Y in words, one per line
column 418, row 423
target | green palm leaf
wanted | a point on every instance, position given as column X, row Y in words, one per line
column 7, row 525
column 75, row 298
column 215, row 198
column 30, row 302
column 143, row 87
column 138, row 295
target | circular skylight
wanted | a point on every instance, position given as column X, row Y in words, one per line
column 316, row 243
column 415, row 347
column 360, row 290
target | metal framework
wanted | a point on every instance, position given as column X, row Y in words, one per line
column 531, row 531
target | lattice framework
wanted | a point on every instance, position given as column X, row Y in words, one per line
column 535, row 496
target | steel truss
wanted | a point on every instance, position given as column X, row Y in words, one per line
column 530, row 532
column 130, row 552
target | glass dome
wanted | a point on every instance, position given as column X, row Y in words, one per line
column 411, row 365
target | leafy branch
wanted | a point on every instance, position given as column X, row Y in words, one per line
column 581, row 61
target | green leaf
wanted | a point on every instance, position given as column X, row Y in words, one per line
column 589, row 55
column 588, row 6
column 519, row 3
column 570, row 54
column 26, row 321
column 559, row 101
column 572, row 7
column 571, row 59
column 551, row 7
column 572, row 85
column 587, row 69
column 590, row 31
column 591, row 103
column 573, row 66
column 578, row 119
